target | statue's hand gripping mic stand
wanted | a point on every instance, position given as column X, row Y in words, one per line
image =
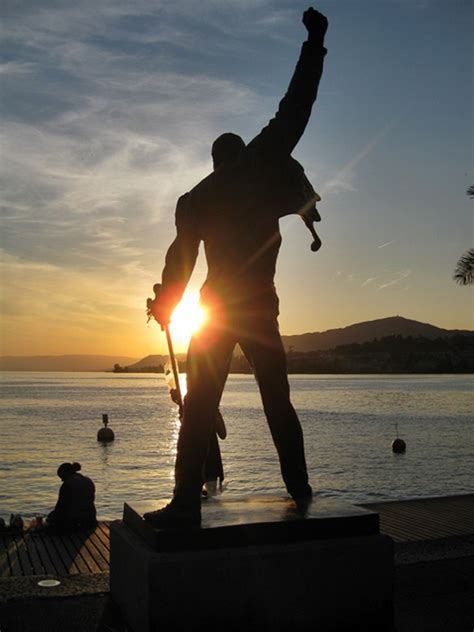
column 166, row 328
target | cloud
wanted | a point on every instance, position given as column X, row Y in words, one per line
column 413, row 4
column 344, row 179
column 387, row 279
column 108, row 113
column 113, row 138
column 16, row 67
column 55, row 309
column 10, row 264
column 103, row 175
column 368, row 281
column 393, row 279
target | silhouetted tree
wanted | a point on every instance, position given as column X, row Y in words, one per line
column 464, row 271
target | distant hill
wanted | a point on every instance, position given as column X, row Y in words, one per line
column 391, row 354
column 365, row 332
column 63, row 362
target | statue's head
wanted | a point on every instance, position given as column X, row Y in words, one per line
column 226, row 149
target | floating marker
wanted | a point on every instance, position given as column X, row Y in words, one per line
column 105, row 434
column 398, row 445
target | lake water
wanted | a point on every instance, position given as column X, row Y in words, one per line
column 348, row 423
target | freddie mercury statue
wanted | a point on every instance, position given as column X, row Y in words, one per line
column 235, row 211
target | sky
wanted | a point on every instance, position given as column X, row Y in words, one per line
column 109, row 109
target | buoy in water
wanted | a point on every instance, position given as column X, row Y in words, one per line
column 105, row 434
column 398, row 445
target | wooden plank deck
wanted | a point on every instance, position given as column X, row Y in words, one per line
column 83, row 552
column 88, row 551
column 426, row 518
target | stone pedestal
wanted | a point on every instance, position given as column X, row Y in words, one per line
column 255, row 565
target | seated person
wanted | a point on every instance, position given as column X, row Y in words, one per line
column 75, row 507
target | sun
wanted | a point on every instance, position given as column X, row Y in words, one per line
column 187, row 318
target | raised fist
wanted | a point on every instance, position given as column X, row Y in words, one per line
column 316, row 23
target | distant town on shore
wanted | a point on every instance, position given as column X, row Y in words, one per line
column 386, row 345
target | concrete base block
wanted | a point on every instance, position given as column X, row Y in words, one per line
column 342, row 583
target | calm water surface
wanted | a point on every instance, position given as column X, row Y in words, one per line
column 348, row 423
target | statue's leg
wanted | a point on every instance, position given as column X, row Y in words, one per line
column 264, row 349
column 208, row 361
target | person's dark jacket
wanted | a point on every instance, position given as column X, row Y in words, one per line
column 235, row 210
column 75, row 504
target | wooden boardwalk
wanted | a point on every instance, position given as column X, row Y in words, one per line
column 426, row 518
column 88, row 551
column 82, row 552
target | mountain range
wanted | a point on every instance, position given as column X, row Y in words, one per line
column 315, row 341
column 358, row 333
column 367, row 331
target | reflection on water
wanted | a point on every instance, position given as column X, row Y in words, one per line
column 106, row 453
column 348, row 422
column 105, row 449
column 174, row 432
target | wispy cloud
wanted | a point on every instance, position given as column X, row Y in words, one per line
column 368, row 281
column 344, row 178
column 103, row 155
column 103, row 129
column 397, row 278
column 16, row 67
column 387, row 279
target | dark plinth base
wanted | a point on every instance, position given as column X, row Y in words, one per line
column 255, row 565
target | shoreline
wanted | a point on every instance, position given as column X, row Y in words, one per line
column 358, row 503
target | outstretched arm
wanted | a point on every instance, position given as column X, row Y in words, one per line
column 179, row 263
column 284, row 131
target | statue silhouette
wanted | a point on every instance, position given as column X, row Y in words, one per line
column 235, row 212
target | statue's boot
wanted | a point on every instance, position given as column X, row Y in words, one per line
column 303, row 499
column 176, row 515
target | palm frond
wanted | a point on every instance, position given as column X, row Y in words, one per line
column 464, row 271
column 470, row 191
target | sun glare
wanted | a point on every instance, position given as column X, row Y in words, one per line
column 187, row 318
